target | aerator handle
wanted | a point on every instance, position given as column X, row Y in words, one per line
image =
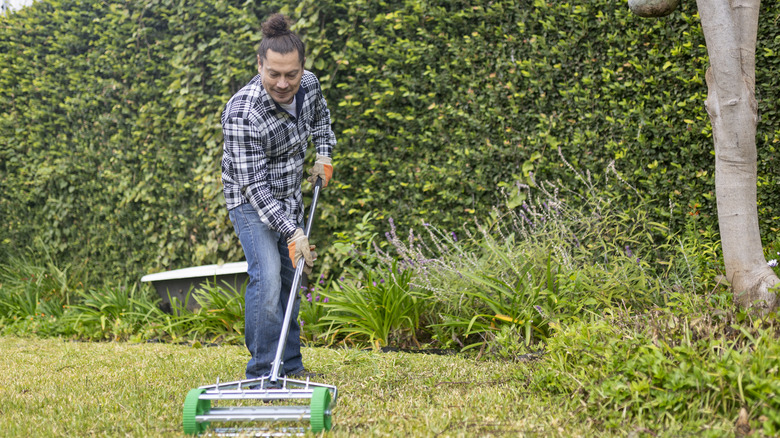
column 313, row 206
column 277, row 363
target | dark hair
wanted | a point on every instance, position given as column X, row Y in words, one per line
column 278, row 37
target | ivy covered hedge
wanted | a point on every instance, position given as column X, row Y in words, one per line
column 110, row 134
column 110, row 139
column 448, row 100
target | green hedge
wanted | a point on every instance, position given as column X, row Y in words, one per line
column 110, row 139
column 446, row 101
column 111, row 144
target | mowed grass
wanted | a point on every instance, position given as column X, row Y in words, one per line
column 51, row 387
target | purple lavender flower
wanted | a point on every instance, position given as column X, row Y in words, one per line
column 527, row 220
column 325, row 300
column 308, row 297
column 454, row 236
column 539, row 309
column 628, row 251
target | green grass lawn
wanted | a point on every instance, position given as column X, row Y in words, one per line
column 51, row 387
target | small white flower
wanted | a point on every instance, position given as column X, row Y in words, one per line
column 772, row 263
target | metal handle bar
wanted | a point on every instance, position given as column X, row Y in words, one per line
column 277, row 363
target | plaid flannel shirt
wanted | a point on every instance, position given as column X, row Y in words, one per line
column 262, row 161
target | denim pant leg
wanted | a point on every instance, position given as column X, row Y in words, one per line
column 267, row 292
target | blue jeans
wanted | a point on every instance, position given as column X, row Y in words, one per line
column 270, row 279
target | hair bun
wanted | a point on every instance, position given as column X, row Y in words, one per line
column 276, row 25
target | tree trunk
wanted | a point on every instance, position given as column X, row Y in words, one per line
column 730, row 30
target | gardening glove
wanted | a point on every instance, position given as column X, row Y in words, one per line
column 322, row 169
column 298, row 245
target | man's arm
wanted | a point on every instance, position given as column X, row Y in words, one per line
column 322, row 134
column 323, row 138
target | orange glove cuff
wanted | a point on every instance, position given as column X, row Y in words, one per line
column 291, row 249
column 328, row 174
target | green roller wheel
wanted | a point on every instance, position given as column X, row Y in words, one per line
column 320, row 416
column 194, row 406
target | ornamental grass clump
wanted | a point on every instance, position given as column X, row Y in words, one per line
column 31, row 287
column 560, row 254
column 110, row 313
column 35, row 292
column 379, row 309
column 220, row 315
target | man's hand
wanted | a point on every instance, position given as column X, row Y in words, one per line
column 323, row 169
column 298, row 245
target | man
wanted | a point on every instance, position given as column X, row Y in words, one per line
column 266, row 127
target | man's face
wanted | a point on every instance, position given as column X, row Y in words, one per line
column 281, row 75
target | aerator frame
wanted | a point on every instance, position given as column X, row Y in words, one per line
column 199, row 412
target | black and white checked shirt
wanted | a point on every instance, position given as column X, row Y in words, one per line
column 262, row 161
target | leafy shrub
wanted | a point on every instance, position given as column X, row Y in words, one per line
column 691, row 360
column 347, row 246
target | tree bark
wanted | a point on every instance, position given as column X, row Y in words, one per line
column 730, row 30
